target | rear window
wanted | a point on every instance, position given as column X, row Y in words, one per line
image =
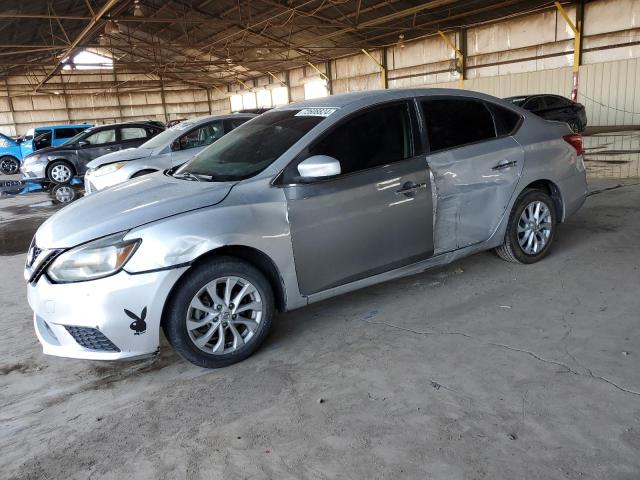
column 506, row 120
column 66, row 132
column 456, row 122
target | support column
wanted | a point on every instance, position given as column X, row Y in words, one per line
column 329, row 76
column 164, row 103
column 459, row 57
column 209, row 101
column 383, row 68
column 11, row 108
column 577, row 43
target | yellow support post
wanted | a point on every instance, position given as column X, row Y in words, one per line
column 322, row 74
column 576, row 48
column 459, row 55
column 383, row 70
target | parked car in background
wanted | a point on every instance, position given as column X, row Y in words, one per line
column 169, row 149
column 174, row 122
column 60, row 164
column 300, row 204
column 554, row 107
column 13, row 151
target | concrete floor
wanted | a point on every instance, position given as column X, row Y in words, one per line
column 479, row 370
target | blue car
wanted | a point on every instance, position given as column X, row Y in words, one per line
column 13, row 151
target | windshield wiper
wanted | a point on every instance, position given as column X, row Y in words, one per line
column 194, row 176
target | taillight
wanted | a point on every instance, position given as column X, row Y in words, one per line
column 575, row 141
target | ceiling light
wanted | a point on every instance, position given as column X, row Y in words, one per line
column 401, row 40
column 138, row 11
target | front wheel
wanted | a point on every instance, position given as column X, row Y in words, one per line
column 60, row 172
column 220, row 313
column 9, row 165
column 531, row 228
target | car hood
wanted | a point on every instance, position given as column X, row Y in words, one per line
column 46, row 150
column 126, row 206
column 120, row 156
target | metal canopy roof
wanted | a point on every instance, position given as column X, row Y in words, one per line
column 205, row 42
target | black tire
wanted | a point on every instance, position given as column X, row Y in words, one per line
column 511, row 250
column 51, row 170
column 142, row 172
column 178, row 307
column 9, row 165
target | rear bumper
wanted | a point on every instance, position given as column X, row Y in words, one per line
column 88, row 319
column 574, row 190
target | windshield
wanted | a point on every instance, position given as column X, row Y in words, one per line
column 250, row 148
column 78, row 137
column 167, row 136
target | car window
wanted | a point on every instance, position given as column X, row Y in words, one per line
column 455, row 122
column 42, row 139
column 103, row 136
column 64, row 132
column 505, row 119
column 556, row 102
column 202, row 136
column 535, row 103
column 235, row 123
column 5, row 142
column 132, row 133
column 369, row 140
column 246, row 151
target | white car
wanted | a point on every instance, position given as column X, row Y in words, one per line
column 171, row 148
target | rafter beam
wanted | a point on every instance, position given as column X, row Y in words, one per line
column 83, row 34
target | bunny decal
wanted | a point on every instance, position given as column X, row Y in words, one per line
column 138, row 325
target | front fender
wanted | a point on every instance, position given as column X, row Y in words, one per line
column 260, row 223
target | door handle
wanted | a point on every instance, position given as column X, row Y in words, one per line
column 409, row 188
column 500, row 166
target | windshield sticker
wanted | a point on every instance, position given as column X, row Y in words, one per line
column 316, row 112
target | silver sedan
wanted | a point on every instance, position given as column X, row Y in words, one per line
column 300, row 204
column 171, row 148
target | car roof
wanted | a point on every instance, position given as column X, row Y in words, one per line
column 209, row 118
column 368, row 97
column 70, row 125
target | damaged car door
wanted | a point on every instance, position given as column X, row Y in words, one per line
column 476, row 164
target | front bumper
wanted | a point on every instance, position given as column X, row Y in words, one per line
column 33, row 171
column 103, row 331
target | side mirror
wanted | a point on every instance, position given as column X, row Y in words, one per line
column 318, row 167
column 175, row 145
column 82, row 143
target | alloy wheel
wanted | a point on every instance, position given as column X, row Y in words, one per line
column 61, row 173
column 534, row 227
column 224, row 315
column 9, row 166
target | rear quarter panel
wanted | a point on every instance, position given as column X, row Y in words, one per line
column 547, row 156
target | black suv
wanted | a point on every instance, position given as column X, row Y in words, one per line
column 554, row 107
column 60, row 164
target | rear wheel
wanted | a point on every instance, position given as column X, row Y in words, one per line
column 9, row 165
column 531, row 228
column 220, row 313
column 60, row 172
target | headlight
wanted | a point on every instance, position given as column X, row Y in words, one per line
column 92, row 260
column 110, row 168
